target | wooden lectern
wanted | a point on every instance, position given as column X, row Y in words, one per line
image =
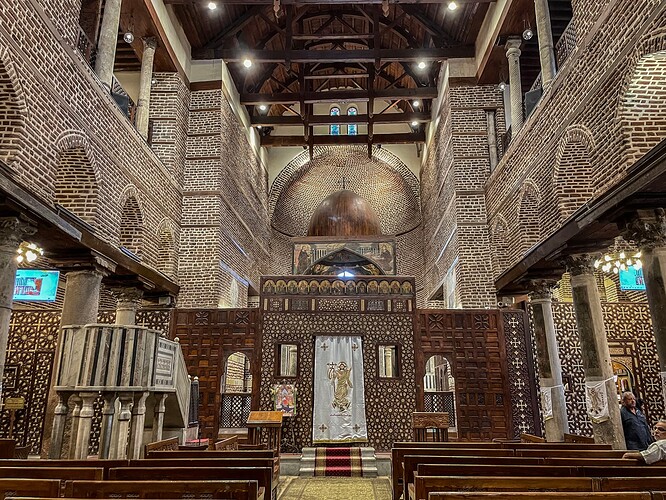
column 423, row 421
column 271, row 421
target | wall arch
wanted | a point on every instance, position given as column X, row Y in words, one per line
column 529, row 223
column 573, row 170
column 167, row 253
column 499, row 234
column 13, row 110
column 131, row 229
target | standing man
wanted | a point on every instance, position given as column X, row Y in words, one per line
column 636, row 429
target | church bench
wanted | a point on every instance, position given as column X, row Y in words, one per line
column 62, row 473
column 594, row 462
column 570, row 453
column 69, row 464
column 540, row 495
column 163, row 445
column 263, row 475
column 423, row 485
column 230, row 443
column 632, row 483
column 13, row 487
column 236, row 490
column 556, row 446
column 575, row 438
column 655, row 470
column 531, row 438
column 213, row 454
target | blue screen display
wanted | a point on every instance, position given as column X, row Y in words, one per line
column 36, row 285
column 632, row 279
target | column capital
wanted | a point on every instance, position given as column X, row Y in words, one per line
column 13, row 231
column 578, row 264
column 127, row 296
column 92, row 262
column 541, row 289
column 149, row 42
column 647, row 228
column 512, row 46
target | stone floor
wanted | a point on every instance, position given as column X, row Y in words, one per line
column 334, row 488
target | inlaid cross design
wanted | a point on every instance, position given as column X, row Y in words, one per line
column 324, row 346
column 322, row 427
column 356, row 428
column 354, row 347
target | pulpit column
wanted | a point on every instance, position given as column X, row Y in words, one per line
column 85, row 425
column 108, row 412
column 77, row 403
column 158, row 418
column 553, row 404
column 119, row 436
column 137, row 425
column 128, row 302
column 600, row 389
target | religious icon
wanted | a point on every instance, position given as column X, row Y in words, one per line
column 339, row 374
column 284, row 398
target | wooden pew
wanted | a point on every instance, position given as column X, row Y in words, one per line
column 423, row 485
column 212, row 454
column 531, row 438
column 163, row 445
column 49, row 488
column 556, row 446
column 68, row 464
column 632, row 483
column 570, row 453
column 263, row 475
column 230, row 443
column 62, row 473
column 236, row 490
column 575, row 438
column 550, row 495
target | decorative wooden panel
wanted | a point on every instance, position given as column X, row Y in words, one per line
column 208, row 337
column 473, row 342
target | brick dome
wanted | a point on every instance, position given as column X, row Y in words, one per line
column 344, row 213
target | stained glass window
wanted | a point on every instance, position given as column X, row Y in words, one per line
column 352, row 128
column 334, row 129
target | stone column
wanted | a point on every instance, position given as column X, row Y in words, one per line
column 108, row 412
column 85, row 425
column 550, row 370
column 77, row 403
column 158, row 418
column 128, row 302
column 138, row 425
column 648, row 230
column 12, row 232
column 594, row 349
column 108, row 39
column 120, row 434
column 492, row 138
column 143, row 104
column 59, row 421
column 546, row 46
column 513, row 55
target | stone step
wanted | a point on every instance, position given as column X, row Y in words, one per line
column 368, row 462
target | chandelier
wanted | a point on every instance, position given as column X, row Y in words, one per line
column 28, row 252
column 618, row 261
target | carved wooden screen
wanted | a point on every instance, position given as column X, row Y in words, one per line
column 473, row 342
column 208, row 337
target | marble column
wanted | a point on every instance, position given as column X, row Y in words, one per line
column 648, row 230
column 138, row 424
column 145, row 82
column 120, row 434
column 128, row 301
column 106, row 46
column 492, row 138
column 85, row 425
column 108, row 411
column 158, row 418
column 550, row 370
column 77, row 404
column 59, row 421
column 515, row 87
column 12, row 232
column 600, row 385
column 546, row 45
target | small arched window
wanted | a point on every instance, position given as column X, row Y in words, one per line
column 352, row 128
column 334, row 129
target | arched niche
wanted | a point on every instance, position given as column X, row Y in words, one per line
column 131, row 225
column 439, row 387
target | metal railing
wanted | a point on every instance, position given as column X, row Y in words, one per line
column 566, row 44
column 86, row 48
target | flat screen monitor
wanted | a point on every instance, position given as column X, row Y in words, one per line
column 36, row 285
column 632, row 279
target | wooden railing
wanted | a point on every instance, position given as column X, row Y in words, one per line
column 565, row 45
column 235, row 409
column 440, row 402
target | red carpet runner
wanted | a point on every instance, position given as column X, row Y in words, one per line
column 344, row 462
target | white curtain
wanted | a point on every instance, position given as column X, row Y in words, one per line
column 339, row 397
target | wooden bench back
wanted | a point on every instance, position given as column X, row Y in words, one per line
column 62, row 473
column 448, row 444
column 556, row 446
column 632, row 483
column 236, row 490
column 13, row 487
column 498, row 470
column 163, row 445
column 213, row 454
column 570, row 453
column 575, row 438
column 230, row 443
column 549, row 495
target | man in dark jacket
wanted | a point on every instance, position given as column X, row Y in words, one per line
column 636, row 429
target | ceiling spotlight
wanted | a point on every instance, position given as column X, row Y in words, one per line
column 263, row 107
column 452, row 5
column 421, row 65
column 415, row 123
column 502, row 86
column 416, row 103
column 259, row 127
column 128, row 37
column 247, row 63
column 212, row 6
column 528, row 34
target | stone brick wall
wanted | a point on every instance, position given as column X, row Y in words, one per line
column 602, row 113
column 453, row 177
column 224, row 245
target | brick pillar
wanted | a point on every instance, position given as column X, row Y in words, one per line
column 546, row 46
column 12, row 232
column 108, row 38
column 647, row 228
column 550, row 370
column 145, row 82
column 513, row 55
column 599, row 380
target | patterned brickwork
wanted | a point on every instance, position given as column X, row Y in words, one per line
column 11, row 120
column 453, row 177
column 586, row 130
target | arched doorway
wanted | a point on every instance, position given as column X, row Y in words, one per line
column 236, row 389
column 439, row 388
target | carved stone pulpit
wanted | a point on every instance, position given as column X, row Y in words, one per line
column 265, row 423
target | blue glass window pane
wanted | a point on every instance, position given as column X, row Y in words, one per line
column 352, row 129
column 352, row 111
column 335, row 112
column 335, row 129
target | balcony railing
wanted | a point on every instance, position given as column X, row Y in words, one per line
column 563, row 49
column 86, row 48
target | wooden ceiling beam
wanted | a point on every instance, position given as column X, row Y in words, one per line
column 340, row 95
column 276, row 121
column 277, row 141
column 239, row 23
column 428, row 24
column 318, row 2
column 310, row 56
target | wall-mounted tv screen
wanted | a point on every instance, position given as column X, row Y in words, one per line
column 36, row 285
column 632, row 279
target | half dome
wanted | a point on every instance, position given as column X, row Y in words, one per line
column 344, row 213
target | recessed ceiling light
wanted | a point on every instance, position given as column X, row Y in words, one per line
column 416, row 103
column 502, row 86
column 263, row 107
column 415, row 123
column 528, row 34
column 421, row 65
column 247, row 63
column 453, row 5
column 212, row 6
column 259, row 127
column 128, row 37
